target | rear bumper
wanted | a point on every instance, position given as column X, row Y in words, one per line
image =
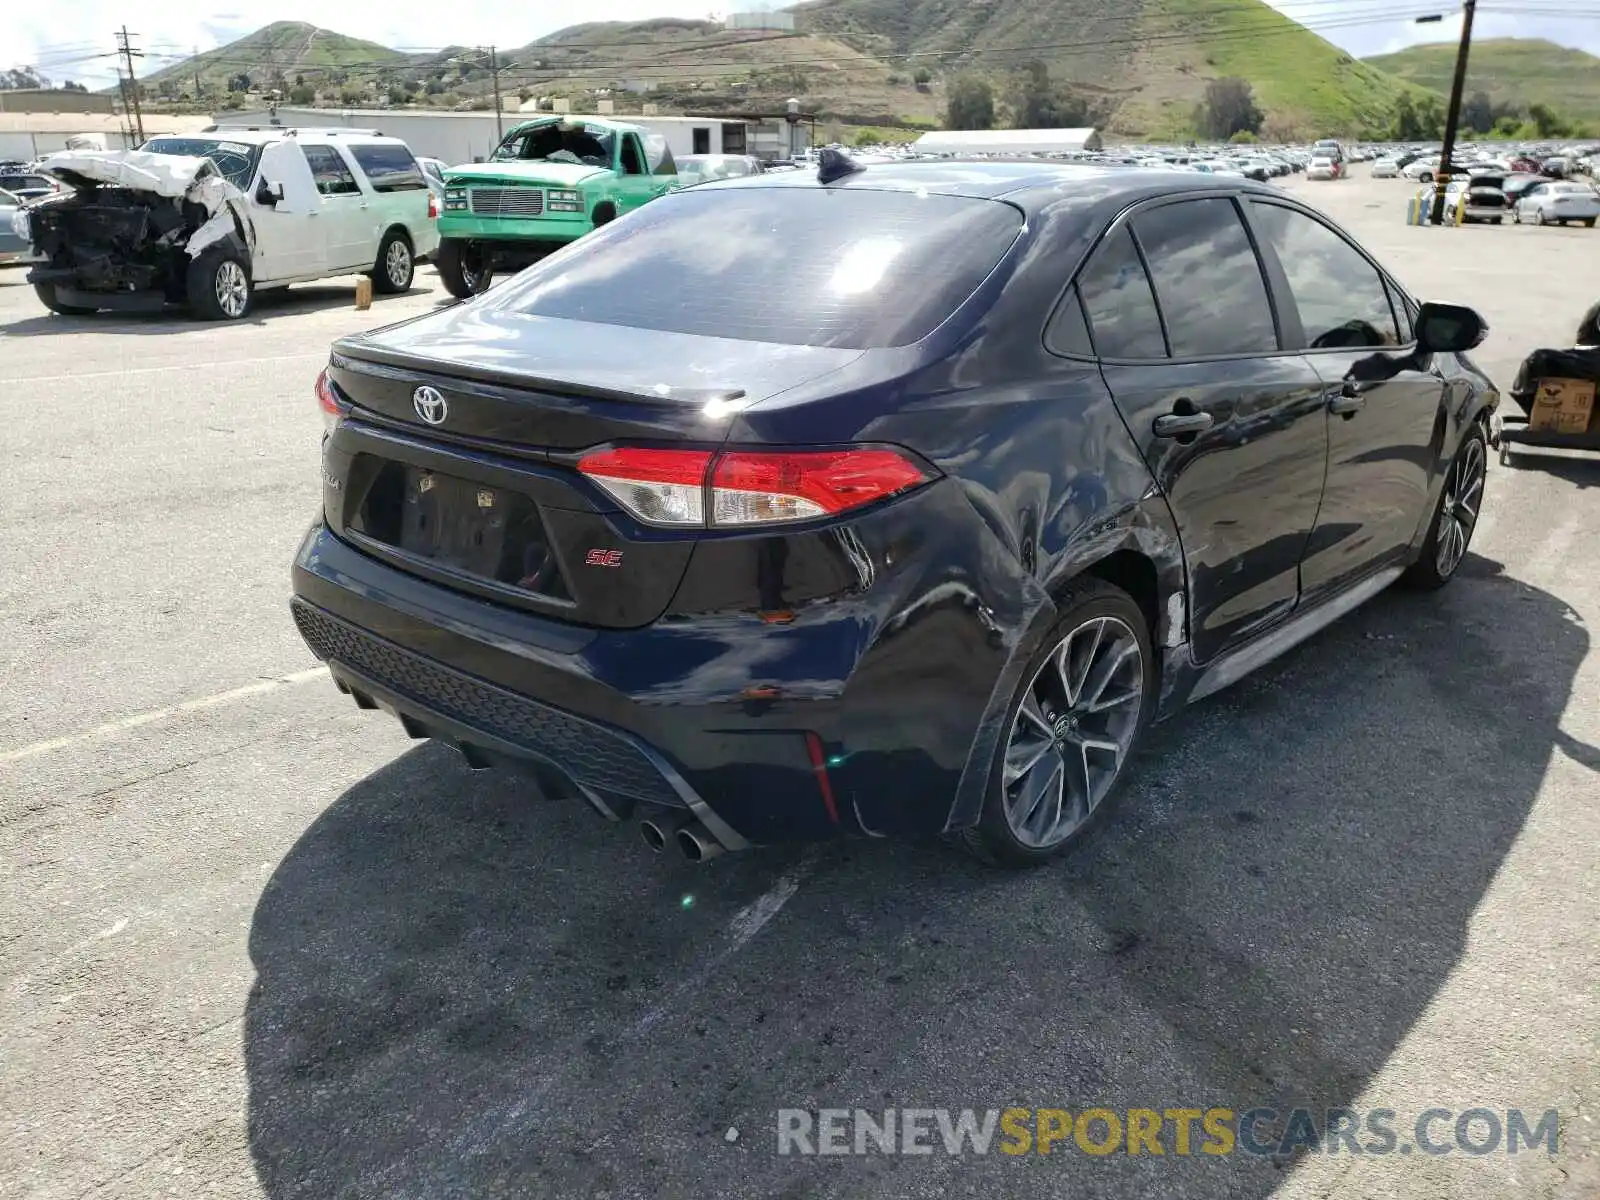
column 843, row 722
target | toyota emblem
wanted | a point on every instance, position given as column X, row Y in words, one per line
column 430, row 405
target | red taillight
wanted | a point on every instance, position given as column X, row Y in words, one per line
column 748, row 487
column 433, row 206
column 328, row 402
column 663, row 487
column 753, row 488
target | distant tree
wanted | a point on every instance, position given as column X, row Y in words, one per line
column 21, row 78
column 435, row 88
column 1546, row 122
column 1405, row 119
column 1243, row 137
column 239, row 82
column 921, row 76
column 1477, row 113
column 235, row 100
column 351, row 95
column 1229, row 106
column 412, row 86
column 397, row 94
column 971, row 104
column 302, row 94
column 1430, row 117
column 1037, row 103
column 1508, row 127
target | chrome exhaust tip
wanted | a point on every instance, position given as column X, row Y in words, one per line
column 657, row 831
column 696, row 844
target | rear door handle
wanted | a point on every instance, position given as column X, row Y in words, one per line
column 1347, row 401
column 1183, row 424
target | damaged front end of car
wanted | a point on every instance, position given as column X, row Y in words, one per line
column 129, row 233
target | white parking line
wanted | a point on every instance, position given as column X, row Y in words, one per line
column 158, row 714
column 183, row 366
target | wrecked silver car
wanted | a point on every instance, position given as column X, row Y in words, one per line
column 140, row 231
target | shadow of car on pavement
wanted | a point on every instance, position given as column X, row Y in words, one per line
column 465, row 990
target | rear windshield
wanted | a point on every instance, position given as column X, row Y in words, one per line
column 843, row 268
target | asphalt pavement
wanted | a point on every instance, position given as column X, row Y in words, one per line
column 255, row 943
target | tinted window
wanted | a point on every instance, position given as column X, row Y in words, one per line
column 1069, row 331
column 1341, row 296
column 1208, row 280
column 632, row 162
column 329, row 170
column 1117, row 300
column 10, row 182
column 388, row 168
column 801, row 266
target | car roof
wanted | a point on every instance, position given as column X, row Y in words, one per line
column 257, row 135
column 1030, row 184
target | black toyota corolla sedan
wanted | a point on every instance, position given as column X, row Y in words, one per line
column 882, row 500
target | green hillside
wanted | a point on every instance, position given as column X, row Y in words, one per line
column 1146, row 62
column 1518, row 71
column 273, row 56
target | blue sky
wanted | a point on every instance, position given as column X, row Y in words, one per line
column 62, row 38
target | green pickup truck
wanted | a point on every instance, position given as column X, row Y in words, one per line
column 549, row 182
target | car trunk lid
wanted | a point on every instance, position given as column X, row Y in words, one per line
column 456, row 458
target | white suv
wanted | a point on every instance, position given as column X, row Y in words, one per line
column 310, row 203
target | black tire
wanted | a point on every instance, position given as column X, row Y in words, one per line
column 218, row 285
column 1428, row 573
column 47, row 297
column 1589, row 224
column 604, row 214
column 993, row 839
column 1425, row 177
column 1496, row 220
column 393, row 277
column 1538, row 216
column 466, row 267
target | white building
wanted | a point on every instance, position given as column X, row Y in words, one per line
column 25, row 136
column 783, row 21
column 1008, row 141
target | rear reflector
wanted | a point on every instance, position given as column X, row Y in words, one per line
column 748, row 487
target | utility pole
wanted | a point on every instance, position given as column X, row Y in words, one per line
column 494, row 72
column 125, row 48
column 199, row 95
column 1441, row 181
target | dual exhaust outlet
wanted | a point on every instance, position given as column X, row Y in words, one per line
column 682, row 831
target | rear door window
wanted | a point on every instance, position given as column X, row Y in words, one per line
column 1121, row 309
column 388, row 168
column 331, row 172
column 841, row 268
column 1342, row 297
column 1208, row 280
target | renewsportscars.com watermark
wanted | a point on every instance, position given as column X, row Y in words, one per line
column 1217, row 1132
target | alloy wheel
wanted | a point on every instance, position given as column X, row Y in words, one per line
column 1071, row 735
column 1458, row 511
column 232, row 288
column 398, row 263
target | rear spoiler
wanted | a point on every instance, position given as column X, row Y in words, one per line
column 389, row 364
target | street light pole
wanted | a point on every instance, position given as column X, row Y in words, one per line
column 1452, row 119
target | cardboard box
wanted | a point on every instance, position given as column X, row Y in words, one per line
column 1562, row 406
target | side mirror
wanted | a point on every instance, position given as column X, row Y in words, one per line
column 1449, row 329
column 270, row 194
